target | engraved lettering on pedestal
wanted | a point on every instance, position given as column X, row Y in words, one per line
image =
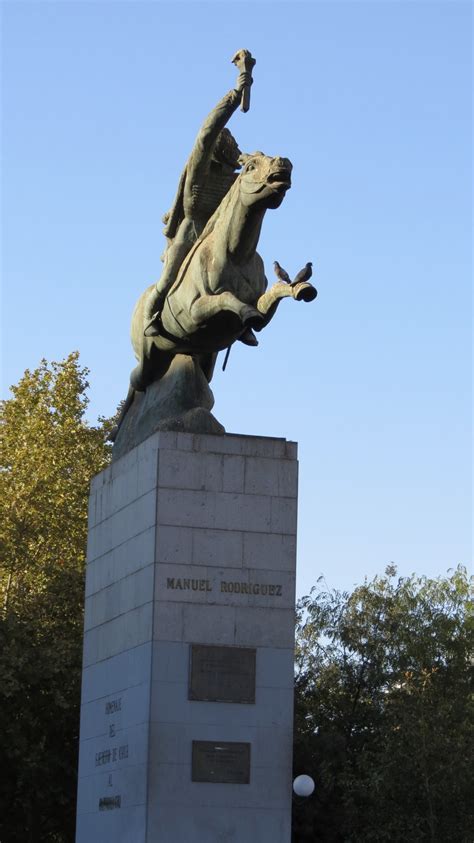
column 113, row 754
column 108, row 756
column 261, row 589
column 113, row 706
column 188, row 584
column 222, row 674
column 222, row 762
column 226, row 586
column 108, row 803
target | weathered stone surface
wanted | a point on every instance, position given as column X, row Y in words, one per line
column 191, row 545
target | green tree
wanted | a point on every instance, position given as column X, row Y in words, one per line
column 384, row 711
column 49, row 455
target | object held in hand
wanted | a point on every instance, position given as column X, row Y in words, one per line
column 245, row 62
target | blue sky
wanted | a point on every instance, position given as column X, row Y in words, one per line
column 371, row 101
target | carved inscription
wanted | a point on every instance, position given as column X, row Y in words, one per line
column 188, row 584
column 222, row 762
column 113, row 705
column 115, row 753
column 264, row 589
column 108, row 756
column 111, row 754
column 222, row 674
column 227, row 587
column 108, row 803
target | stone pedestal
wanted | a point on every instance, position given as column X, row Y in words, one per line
column 187, row 696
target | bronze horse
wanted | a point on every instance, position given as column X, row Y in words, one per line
column 220, row 288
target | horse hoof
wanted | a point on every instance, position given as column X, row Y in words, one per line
column 304, row 292
column 252, row 318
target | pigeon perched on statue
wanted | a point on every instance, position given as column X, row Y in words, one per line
column 304, row 274
column 281, row 273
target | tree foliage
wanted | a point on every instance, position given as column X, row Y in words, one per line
column 384, row 711
column 383, row 698
column 49, row 454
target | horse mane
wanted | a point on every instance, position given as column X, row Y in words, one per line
column 217, row 216
column 220, row 211
column 228, row 198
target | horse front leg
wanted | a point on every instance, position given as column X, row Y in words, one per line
column 205, row 307
column 268, row 302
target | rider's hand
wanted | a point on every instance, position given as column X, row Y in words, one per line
column 244, row 80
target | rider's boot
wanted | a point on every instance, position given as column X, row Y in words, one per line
column 153, row 323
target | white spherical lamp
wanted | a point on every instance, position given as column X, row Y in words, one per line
column 303, row 785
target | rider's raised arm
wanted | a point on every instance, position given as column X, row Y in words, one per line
column 209, row 131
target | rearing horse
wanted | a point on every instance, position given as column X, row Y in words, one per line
column 220, row 287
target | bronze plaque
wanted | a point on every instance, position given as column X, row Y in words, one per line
column 222, row 674
column 223, row 762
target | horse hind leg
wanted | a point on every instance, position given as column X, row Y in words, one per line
column 152, row 365
column 205, row 307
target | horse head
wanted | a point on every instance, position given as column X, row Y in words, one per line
column 264, row 180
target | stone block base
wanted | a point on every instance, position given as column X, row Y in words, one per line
column 187, row 697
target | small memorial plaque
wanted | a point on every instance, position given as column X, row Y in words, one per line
column 222, row 762
column 222, row 674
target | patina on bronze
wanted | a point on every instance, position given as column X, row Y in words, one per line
column 224, row 762
column 222, row 674
column 213, row 289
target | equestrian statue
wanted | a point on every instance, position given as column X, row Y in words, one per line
column 212, row 291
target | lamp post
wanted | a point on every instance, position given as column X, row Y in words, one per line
column 301, row 818
column 303, row 785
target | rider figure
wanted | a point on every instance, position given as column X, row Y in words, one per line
column 208, row 175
